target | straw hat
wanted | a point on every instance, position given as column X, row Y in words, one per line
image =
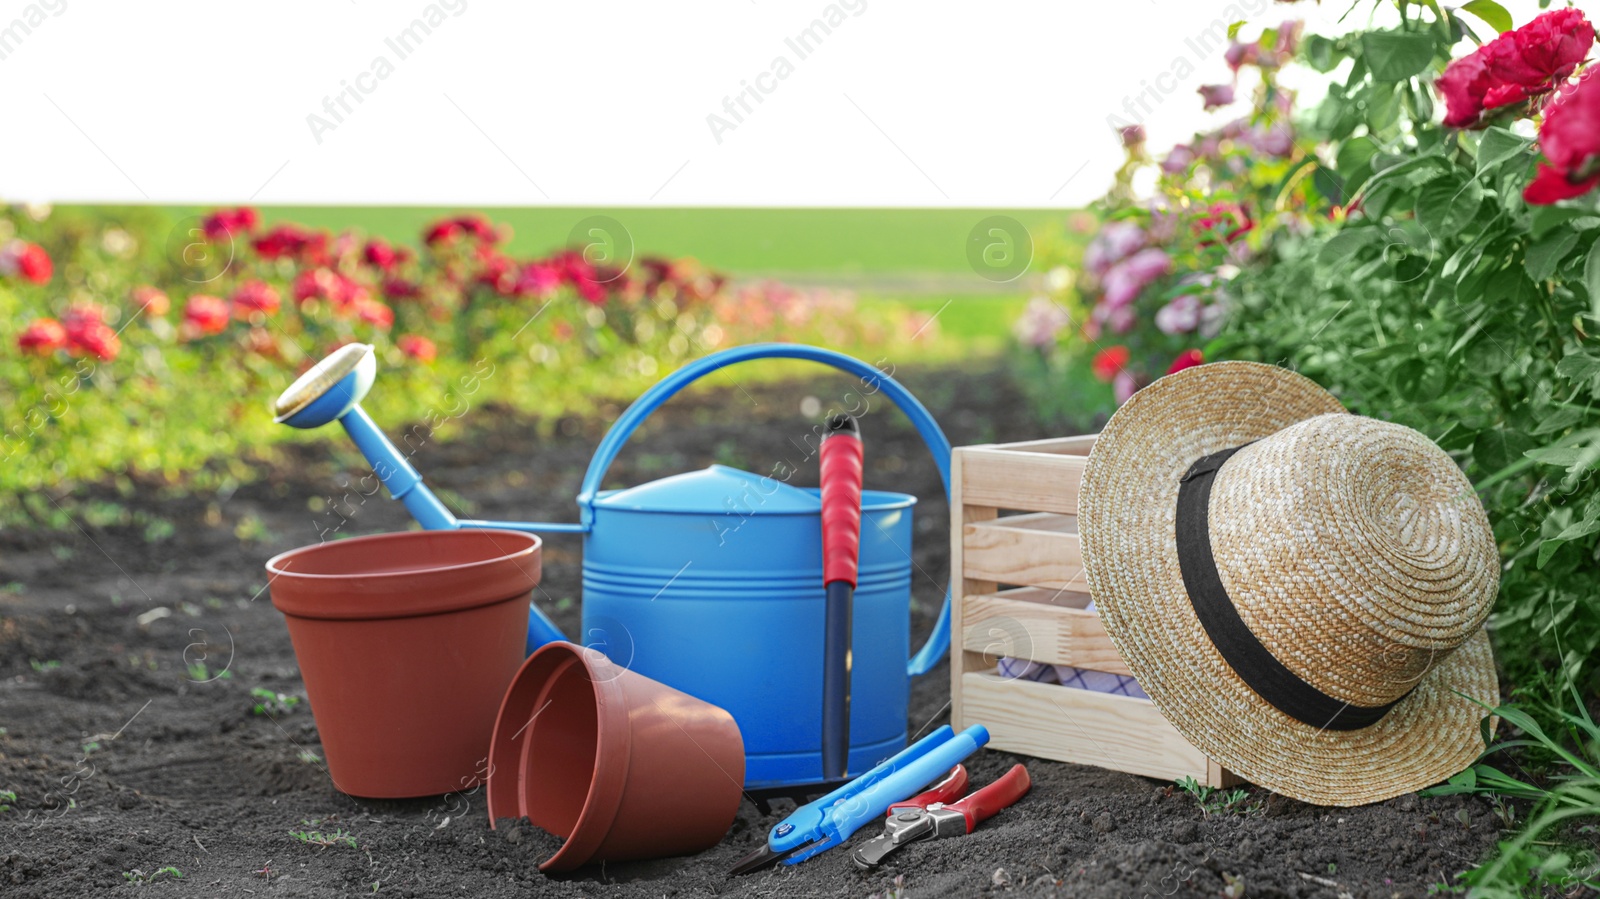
column 1344, row 563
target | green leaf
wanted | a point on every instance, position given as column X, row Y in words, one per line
column 1491, row 13
column 1355, row 156
column 1591, row 278
column 1499, row 145
column 1543, row 257
column 1233, row 30
column 1543, row 219
column 1396, row 55
column 1574, row 531
column 1343, row 247
column 1498, row 448
column 1383, row 107
column 1559, row 420
column 1578, row 367
column 1413, row 172
column 1322, row 53
column 1576, row 452
column 1445, row 206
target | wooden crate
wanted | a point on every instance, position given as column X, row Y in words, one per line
column 1019, row 590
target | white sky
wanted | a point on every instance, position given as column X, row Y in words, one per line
column 902, row 104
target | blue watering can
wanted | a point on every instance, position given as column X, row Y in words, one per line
column 710, row 581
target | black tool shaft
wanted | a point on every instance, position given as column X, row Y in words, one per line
column 836, row 679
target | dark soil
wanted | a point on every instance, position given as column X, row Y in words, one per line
column 125, row 759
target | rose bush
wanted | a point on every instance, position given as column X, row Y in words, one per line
column 143, row 358
column 1426, row 243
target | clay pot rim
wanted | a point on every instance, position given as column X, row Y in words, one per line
column 277, row 571
column 430, row 590
column 608, row 777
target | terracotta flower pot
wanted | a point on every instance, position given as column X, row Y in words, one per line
column 406, row 643
column 621, row 766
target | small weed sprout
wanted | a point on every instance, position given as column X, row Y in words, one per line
column 313, row 835
column 272, row 704
column 1215, row 801
column 138, row 876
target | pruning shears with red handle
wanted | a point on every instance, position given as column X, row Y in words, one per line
column 926, row 816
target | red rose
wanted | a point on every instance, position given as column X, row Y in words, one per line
column 1186, row 359
column 337, row 289
column 94, row 338
column 1462, row 86
column 447, row 230
column 225, row 223
column 34, row 263
column 205, row 314
column 1543, row 52
column 593, row 292
column 538, row 279
column 495, row 270
column 150, row 299
column 417, row 347
column 382, row 254
column 1226, row 219
column 42, row 337
column 253, row 297
column 572, row 266
column 292, row 242
column 478, row 227
column 441, row 232
column 1516, row 66
column 400, row 289
column 1570, row 141
column 26, row 259
column 83, row 315
column 1110, row 362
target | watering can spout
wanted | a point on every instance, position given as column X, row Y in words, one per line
column 332, row 390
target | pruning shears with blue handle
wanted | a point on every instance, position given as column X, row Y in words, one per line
column 827, row 822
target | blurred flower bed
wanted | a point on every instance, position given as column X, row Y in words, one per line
column 147, row 353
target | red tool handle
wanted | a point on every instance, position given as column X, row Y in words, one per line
column 945, row 791
column 841, row 500
column 1010, row 787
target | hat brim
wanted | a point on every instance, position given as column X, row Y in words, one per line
column 1126, row 512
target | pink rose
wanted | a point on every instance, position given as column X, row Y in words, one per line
column 1128, row 278
column 1215, row 95
column 1181, row 316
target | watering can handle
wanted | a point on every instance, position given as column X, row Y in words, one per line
column 871, row 378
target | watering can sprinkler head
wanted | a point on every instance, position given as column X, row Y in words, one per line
column 329, row 389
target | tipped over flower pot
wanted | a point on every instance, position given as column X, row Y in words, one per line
column 619, row 765
column 406, row 643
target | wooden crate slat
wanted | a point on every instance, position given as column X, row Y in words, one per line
column 1078, row 446
column 1035, row 481
column 1049, row 626
column 1039, row 550
column 1080, row 726
column 1043, row 618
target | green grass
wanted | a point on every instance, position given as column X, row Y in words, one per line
column 742, row 241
